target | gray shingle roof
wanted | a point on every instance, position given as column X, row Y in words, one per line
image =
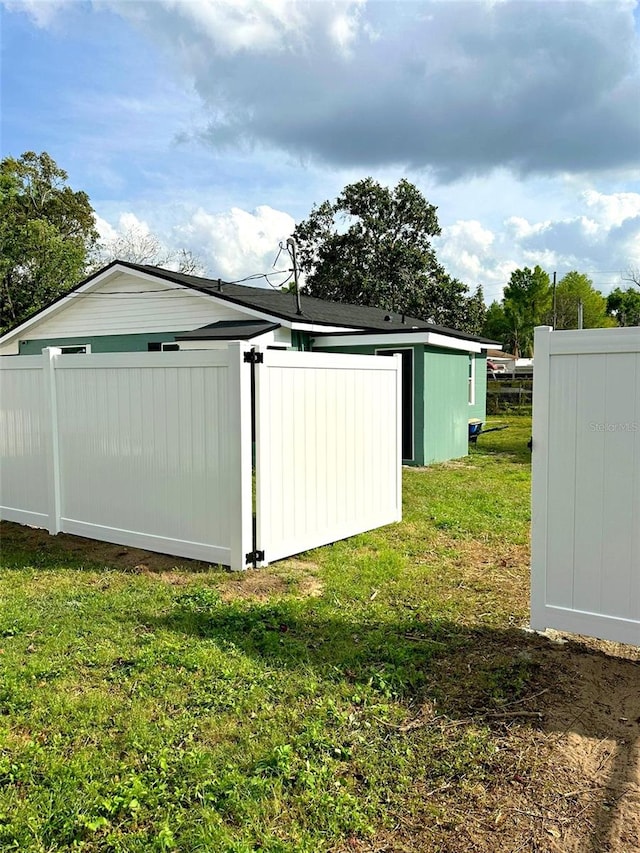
column 229, row 330
column 319, row 312
column 279, row 305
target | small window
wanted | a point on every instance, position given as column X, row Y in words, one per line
column 81, row 349
column 472, row 380
column 154, row 346
column 169, row 347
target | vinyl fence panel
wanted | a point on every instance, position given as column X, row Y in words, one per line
column 151, row 450
column 328, row 448
column 25, row 442
column 585, row 571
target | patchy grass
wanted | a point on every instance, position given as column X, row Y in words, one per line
column 372, row 695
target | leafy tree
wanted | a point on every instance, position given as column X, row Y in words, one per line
column 496, row 325
column 526, row 302
column 624, row 306
column 46, row 233
column 575, row 288
column 372, row 246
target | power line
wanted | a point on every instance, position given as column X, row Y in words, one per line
column 189, row 291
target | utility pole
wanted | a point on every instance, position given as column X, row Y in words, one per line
column 555, row 313
column 291, row 243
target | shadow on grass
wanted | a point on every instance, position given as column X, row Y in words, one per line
column 491, row 677
column 35, row 547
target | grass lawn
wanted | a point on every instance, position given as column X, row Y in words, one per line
column 370, row 693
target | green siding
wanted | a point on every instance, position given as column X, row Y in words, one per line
column 300, row 341
column 99, row 343
column 418, row 390
column 446, row 404
column 441, row 409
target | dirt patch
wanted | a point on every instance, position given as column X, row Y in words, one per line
column 566, row 778
column 597, row 743
column 95, row 554
column 290, row 577
column 297, row 577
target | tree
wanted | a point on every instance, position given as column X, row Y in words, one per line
column 575, row 288
column 624, row 306
column 527, row 299
column 372, row 247
column 633, row 275
column 139, row 246
column 46, row 233
column 496, row 325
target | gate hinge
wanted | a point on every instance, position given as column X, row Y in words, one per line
column 255, row 557
column 254, row 357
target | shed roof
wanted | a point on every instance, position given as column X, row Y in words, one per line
column 229, row 330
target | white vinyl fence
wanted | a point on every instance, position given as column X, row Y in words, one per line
column 154, row 450
column 585, row 570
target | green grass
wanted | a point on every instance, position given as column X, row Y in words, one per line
column 146, row 711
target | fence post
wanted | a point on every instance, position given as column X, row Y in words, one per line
column 540, row 478
column 49, row 355
column 240, row 486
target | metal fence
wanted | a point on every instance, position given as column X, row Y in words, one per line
column 154, row 450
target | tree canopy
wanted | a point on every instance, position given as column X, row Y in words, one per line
column 46, row 233
column 372, row 246
column 575, row 288
column 624, row 306
column 528, row 302
column 525, row 305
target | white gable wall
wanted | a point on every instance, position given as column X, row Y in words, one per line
column 117, row 307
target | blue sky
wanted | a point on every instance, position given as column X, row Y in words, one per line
column 217, row 124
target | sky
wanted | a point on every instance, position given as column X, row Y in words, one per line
column 217, row 124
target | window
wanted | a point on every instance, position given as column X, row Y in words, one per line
column 170, row 347
column 472, row 379
column 74, row 350
column 154, row 346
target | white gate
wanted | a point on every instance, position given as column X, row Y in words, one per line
column 328, row 448
column 154, row 450
column 585, row 568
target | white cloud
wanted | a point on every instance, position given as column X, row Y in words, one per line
column 42, row 12
column 237, row 242
column 603, row 244
column 521, row 227
column 614, row 208
column 233, row 26
column 106, row 232
column 344, row 28
column 425, row 85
